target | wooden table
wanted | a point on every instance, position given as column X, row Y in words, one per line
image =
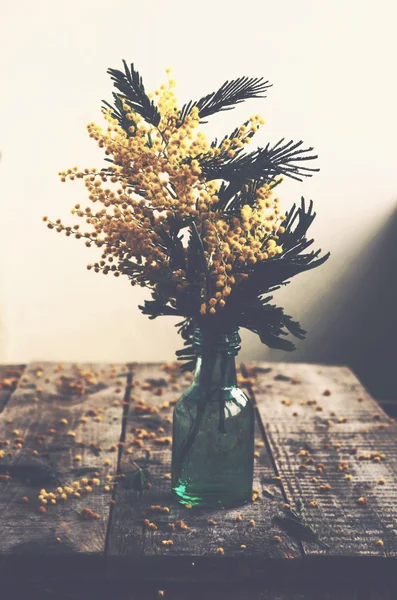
column 321, row 440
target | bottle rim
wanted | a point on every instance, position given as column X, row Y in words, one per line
column 208, row 338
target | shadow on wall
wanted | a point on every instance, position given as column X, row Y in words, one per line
column 361, row 325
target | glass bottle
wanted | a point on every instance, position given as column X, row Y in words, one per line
column 213, row 428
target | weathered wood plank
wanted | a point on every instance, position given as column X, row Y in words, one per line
column 335, row 450
column 62, row 423
column 136, row 552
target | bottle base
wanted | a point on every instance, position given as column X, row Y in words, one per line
column 215, row 500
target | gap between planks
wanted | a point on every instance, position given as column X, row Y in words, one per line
column 124, row 419
column 251, row 394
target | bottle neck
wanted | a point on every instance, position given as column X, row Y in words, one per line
column 217, row 370
column 216, row 352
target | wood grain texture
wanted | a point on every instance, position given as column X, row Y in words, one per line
column 341, row 438
column 41, row 451
column 136, row 552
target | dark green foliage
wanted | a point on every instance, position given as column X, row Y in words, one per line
column 264, row 164
column 270, row 274
column 118, row 112
column 157, row 307
column 248, row 304
column 293, row 523
column 229, row 94
column 270, row 323
column 137, row 479
column 131, row 92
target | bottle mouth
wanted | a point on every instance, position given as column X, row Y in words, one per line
column 217, row 341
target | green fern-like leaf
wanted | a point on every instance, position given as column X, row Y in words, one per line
column 270, row 323
column 132, row 92
column 265, row 164
column 229, row 94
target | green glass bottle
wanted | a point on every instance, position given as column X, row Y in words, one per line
column 213, row 429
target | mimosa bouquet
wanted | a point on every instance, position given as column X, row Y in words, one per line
column 198, row 222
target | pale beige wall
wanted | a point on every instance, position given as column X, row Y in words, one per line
column 333, row 65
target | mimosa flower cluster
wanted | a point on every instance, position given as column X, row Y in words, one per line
column 156, row 177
